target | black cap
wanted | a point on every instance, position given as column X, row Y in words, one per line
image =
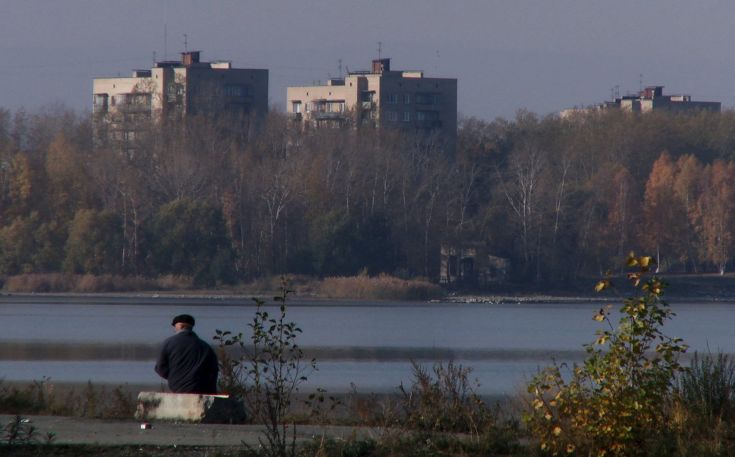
column 183, row 318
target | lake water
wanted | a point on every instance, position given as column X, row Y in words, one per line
column 368, row 344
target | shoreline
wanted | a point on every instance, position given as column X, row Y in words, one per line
column 204, row 297
column 356, row 290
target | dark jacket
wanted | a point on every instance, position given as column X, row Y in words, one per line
column 188, row 363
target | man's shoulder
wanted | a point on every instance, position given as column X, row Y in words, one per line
column 184, row 341
column 183, row 336
column 180, row 336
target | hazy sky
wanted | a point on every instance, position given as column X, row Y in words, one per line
column 542, row 55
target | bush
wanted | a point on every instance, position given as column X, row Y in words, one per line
column 443, row 400
column 617, row 402
column 268, row 372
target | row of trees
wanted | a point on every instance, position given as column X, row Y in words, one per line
column 206, row 198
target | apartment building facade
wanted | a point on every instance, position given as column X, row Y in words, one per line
column 172, row 89
column 383, row 98
column 650, row 99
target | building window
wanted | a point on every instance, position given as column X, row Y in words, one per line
column 427, row 115
column 391, row 116
column 100, row 102
column 427, row 99
column 406, row 99
column 336, row 107
column 232, row 90
column 143, row 100
column 406, row 116
column 392, row 99
column 296, row 107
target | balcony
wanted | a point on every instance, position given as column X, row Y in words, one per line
column 327, row 115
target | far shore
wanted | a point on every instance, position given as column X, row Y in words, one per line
column 230, row 298
column 58, row 288
column 226, row 298
column 381, row 290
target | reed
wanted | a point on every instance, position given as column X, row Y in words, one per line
column 382, row 287
column 60, row 282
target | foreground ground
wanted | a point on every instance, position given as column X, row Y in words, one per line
column 111, row 433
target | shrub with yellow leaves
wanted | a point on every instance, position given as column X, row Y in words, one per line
column 615, row 403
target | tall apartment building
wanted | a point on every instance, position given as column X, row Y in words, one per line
column 383, row 98
column 171, row 89
column 650, row 99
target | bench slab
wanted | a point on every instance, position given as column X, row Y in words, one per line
column 208, row 409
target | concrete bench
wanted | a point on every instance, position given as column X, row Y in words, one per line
column 208, row 409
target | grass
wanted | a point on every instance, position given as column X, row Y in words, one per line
column 703, row 406
column 72, row 450
column 302, row 285
column 43, row 398
column 382, row 287
column 61, row 282
column 436, row 414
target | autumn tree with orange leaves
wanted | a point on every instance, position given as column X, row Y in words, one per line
column 717, row 209
column 664, row 214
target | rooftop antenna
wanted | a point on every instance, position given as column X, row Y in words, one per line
column 640, row 82
column 339, row 65
column 165, row 31
column 615, row 92
column 154, row 58
column 380, row 48
column 186, row 43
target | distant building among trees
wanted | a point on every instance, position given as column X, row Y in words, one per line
column 383, row 98
column 471, row 265
column 172, row 89
column 650, row 99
